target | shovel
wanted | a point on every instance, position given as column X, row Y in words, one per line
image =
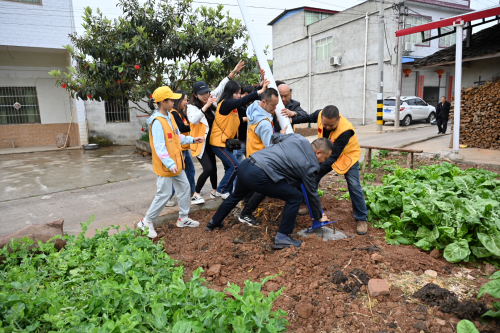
column 315, row 223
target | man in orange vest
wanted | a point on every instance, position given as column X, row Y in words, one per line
column 344, row 158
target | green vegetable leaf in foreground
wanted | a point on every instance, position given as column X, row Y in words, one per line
column 439, row 206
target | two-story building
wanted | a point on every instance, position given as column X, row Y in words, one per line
column 330, row 57
column 32, row 108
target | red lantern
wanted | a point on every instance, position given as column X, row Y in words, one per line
column 407, row 72
column 63, row 85
column 440, row 72
column 137, row 67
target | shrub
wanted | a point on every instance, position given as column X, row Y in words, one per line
column 101, row 141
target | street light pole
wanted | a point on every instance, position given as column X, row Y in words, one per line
column 398, row 75
column 380, row 94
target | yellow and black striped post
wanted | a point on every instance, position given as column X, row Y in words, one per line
column 380, row 110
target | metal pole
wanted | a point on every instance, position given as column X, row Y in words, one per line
column 259, row 52
column 458, row 87
column 398, row 75
column 310, row 74
column 380, row 94
column 364, row 70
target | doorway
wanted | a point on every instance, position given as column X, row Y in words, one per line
column 431, row 95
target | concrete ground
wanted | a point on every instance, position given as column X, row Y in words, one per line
column 117, row 186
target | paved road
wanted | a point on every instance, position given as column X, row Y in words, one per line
column 40, row 187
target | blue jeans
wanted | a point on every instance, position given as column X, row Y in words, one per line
column 359, row 209
column 190, row 171
column 230, row 167
column 240, row 155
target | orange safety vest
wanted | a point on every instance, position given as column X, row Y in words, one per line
column 173, row 144
column 254, row 143
column 224, row 127
column 196, row 131
column 184, row 147
column 351, row 153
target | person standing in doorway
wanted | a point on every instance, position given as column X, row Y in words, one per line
column 443, row 114
column 168, row 163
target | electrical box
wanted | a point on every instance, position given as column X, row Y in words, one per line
column 335, row 61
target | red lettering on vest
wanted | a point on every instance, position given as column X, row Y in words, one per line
column 169, row 135
column 320, row 130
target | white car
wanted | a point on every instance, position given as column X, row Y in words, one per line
column 412, row 108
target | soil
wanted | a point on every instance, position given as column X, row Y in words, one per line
column 325, row 282
column 306, row 131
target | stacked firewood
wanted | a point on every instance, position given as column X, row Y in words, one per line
column 480, row 116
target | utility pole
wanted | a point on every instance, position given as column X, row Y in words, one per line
column 399, row 68
column 380, row 94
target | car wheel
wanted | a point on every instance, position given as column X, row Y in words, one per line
column 431, row 117
column 406, row 121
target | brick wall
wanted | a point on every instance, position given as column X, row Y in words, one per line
column 36, row 134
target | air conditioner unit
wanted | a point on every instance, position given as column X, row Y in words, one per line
column 335, row 61
column 409, row 46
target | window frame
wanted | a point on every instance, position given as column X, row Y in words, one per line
column 327, row 46
column 16, row 98
column 454, row 34
column 321, row 18
column 26, row 3
column 116, row 112
column 430, row 32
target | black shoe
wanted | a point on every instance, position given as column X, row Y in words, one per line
column 248, row 219
column 212, row 227
column 289, row 241
column 439, row 133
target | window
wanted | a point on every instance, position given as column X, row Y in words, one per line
column 324, row 48
column 448, row 40
column 389, row 102
column 412, row 21
column 411, row 102
column 117, row 111
column 19, row 105
column 38, row 2
column 420, row 102
column 312, row 17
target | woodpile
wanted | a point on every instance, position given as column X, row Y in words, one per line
column 480, row 116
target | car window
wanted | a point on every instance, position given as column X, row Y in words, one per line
column 389, row 102
column 421, row 102
column 410, row 102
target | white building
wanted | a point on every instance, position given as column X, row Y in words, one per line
column 321, row 55
column 32, row 108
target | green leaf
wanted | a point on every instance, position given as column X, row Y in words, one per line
column 492, row 288
column 121, row 267
column 457, row 251
column 239, row 324
column 480, row 251
column 495, row 275
column 182, row 327
column 491, row 240
column 465, row 326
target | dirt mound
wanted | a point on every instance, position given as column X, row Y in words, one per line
column 448, row 302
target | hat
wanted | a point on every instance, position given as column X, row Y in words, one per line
column 163, row 93
column 200, row 87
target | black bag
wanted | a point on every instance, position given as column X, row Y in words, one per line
column 233, row 144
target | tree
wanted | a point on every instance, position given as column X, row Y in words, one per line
column 160, row 42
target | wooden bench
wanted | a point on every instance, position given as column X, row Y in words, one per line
column 368, row 156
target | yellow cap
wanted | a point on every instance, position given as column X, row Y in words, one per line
column 163, row 93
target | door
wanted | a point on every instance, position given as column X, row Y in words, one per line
column 431, row 95
column 423, row 109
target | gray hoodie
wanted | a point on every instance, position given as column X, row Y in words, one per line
column 264, row 130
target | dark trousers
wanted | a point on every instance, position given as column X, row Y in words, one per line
column 209, row 166
column 359, row 209
column 442, row 124
column 253, row 203
column 252, row 178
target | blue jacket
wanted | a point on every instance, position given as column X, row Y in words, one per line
column 159, row 139
column 265, row 130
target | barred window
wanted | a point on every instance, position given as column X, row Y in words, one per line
column 324, row 48
column 19, row 105
column 413, row 21
column 117, row 111
column 28, row 1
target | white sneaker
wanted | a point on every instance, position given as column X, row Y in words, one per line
column 213, row 196
column 170, row 203
column 151, row 229
column 197, row 200
column 187, row 222
column 223, row 196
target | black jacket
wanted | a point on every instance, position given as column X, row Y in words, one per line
column 292, row 158
column 293, row 105
column 443, row 111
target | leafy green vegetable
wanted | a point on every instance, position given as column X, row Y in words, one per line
column 383, row 153
column 369, row 177
column 439, row 206
column 465, row 326
column 492, row 288
column 117, row 283
column 321, row 193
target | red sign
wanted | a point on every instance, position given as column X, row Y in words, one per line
column 169, row 135
column 420, row 90
column 450, row 88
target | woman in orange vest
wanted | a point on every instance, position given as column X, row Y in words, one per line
column 225, row 127
column 168, row 163
column 183, row 125
column 201, row 114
